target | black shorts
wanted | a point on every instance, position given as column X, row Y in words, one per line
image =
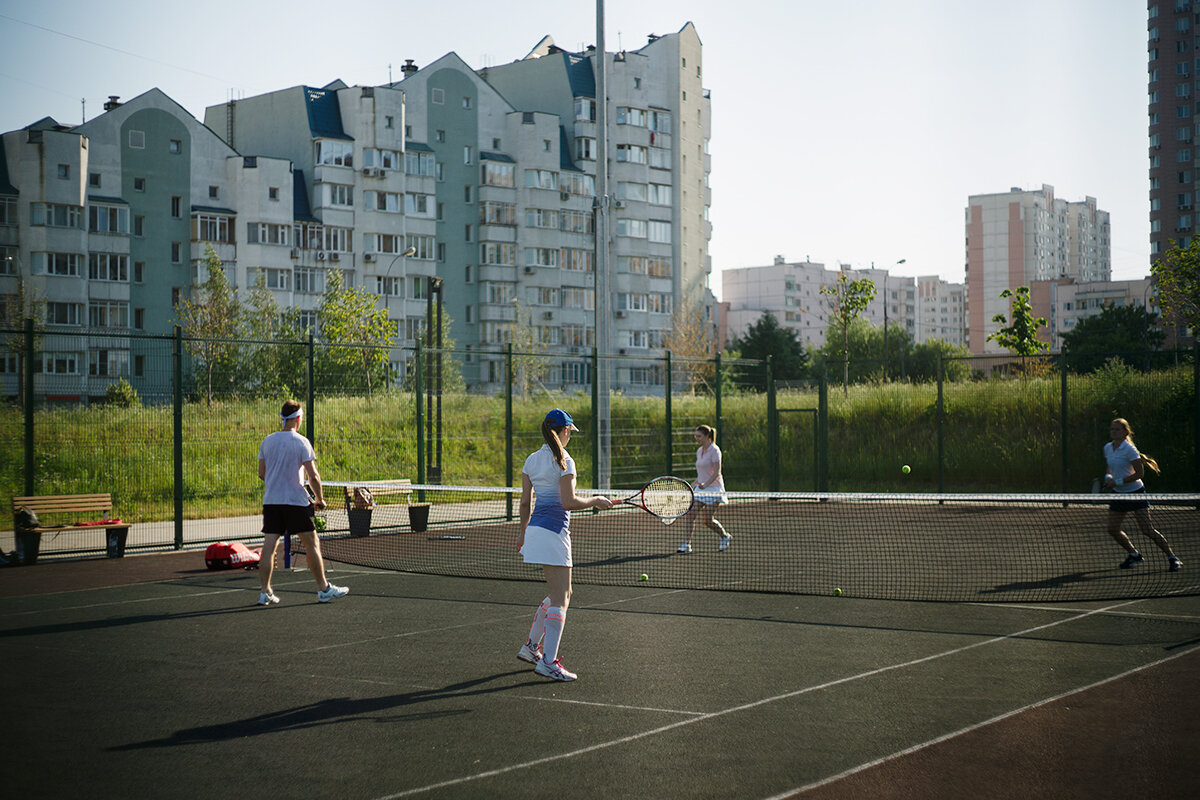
column 1136, row 502
column 281, row 519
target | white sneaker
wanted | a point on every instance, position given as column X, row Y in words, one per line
column 265, row 599
column 684, row 548
column 556, row 670
column 332, row 592
column 725, row 540
column 530, row 652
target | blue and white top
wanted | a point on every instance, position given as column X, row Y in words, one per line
column 545, row 474
column 1120, row 465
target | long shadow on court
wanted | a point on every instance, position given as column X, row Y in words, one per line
column 333, row 711
column 118, row 622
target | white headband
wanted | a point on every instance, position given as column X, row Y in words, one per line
column 292, row 415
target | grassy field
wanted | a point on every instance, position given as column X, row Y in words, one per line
column 998, row 435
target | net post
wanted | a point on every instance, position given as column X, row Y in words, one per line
column 418, row 392
column 177, row 435
column 667, row 416
column 1196, row 414
column 508, row 429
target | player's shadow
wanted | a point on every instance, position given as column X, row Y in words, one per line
column 333, row 711
column 1055, row 582
column 614, row 560
column 75, row 626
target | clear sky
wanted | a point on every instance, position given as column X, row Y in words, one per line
column 842, row 131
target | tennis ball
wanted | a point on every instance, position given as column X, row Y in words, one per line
column 906, row 469
column 645, row 577
column 837, row 592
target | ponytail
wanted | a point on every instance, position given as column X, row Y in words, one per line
column 1147, row 460
column 550, row 435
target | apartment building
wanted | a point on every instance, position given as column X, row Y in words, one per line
column 1172, row 89
column 1017, row 237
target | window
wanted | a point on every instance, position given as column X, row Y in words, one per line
column 175, row 147
column 585, row 109
column 108, row 314
column 468, row 151
column 499, row 174
column 108, row 363
column 419, row 205
column 310, row 280
column 176, row 252
column 108, row 219
column 139, row 184
column 417, row 162
column 384, row 159
column 634, row 228
column 577, row 260
column 631, row 153
column 659, row 231
column 176, row 207
column 437, row 96
column 492, row 212
column 66, row 264
column 439, row 136
column 94, row 180
column 280, row 279
column 498, row 254
column 268, row 233
column 389, row 122
column 139, row 271
column 659, row 194
column 580, row 184
column 541, row 257
column 213, row 193
column 541, row 218
column 466, row 102
column 468, row 235
column 62, row 313
column 585, row 148
column 139, row 319
column 336, row 194
column 631, row 116
column 541, row 179
column 334, row 153
column 382, row 201
column 423, row 245
column 577, row 297
column 468, row 193
column 627, row 190
column 273, row 193
column 576, row 221
column 137, row 139
column 55, row 215
column 212, row 228
column 58, row 364
column 108, row 267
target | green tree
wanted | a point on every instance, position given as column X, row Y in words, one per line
column 767, row 337
column 15, row 308
column 692, row 344
column 1020, row 336
column 212, row 322
column 529, row 363
column 922, row 363
column 276, row 361
column 1116, row 329
column 1177, row 281
column 357, row 333
column 849, row 300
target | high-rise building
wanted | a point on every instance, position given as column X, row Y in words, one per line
column 1172, row 104
column 1017, row 237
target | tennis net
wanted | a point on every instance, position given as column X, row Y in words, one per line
column 935, row 547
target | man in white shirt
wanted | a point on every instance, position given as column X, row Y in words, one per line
column 286, row 461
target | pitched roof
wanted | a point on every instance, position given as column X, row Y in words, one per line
column 324, row 114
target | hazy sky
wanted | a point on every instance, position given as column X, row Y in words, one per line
column 842, row 131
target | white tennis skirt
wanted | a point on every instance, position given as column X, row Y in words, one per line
column 712, row 498
column 543, row 546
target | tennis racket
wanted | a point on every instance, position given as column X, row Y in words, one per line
column 667, row 498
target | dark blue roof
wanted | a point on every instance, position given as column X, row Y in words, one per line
column 300, row 208
column 581, row 75
column 485, row 156
column 99, row 198
column 418, row 146
column 5, row 186
column 564, row 151
column 324, row 114
column 214, row 210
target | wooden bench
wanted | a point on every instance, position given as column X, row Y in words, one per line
column 54, row 505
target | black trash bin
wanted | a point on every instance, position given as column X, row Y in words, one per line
column 360, row 521
column 28, row 544
column 418, row 517
column 116, row 542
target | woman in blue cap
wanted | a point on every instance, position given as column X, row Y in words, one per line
column 549, row 473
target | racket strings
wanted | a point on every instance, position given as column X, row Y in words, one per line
column 667, row 497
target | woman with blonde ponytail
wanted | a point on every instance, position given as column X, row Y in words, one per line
column 549, row 475
column 1126, row 468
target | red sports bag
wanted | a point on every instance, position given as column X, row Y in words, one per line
column 225, row 555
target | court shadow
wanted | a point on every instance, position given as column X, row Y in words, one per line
column 1055, row 582
column 333, row 711
column 118, row 622
column 614, row 560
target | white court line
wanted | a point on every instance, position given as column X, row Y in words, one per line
column 745, row 706
column 917, row 747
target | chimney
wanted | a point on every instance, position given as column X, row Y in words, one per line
column 409, row 67
column 114, row 100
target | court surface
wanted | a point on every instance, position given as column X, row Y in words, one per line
column 149, row 676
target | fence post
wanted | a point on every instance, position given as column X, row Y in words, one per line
column 772, row 429
column 28, row 378
column 670, row 452
column 717, row 394
column 595, row 417
column 941, row 427
column 419, row 388
column 1063, row 427
column 508, row 429
column 1196, row 415
column 822, row 443
column 310, row 417
column 177, row 435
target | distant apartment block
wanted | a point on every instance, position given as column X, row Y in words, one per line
column 1018, row 237
column 925, row 308
column 1065, row 302
column 1172, row 91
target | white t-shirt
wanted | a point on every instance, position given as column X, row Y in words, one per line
column 285, row 454
column 708, row 469
column 545, row 474
column 1120, row 464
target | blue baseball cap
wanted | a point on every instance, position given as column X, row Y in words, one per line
column 561, row 419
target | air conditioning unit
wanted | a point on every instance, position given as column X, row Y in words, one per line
column 380, row 172
column 334, row 257
column 368, row 257
column 564, row 196
column 320, row 256
column 548, row 315
column 619, row 204
column 620, row 314
column 529, row 270
column 367, row 171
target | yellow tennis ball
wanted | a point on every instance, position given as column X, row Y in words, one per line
column 645, row 577
column 837, row 592
column 906, row 469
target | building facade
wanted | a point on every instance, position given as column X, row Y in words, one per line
column 1017, row 237
column 1171, row 90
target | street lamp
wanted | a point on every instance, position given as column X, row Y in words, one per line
column 885, row 320
column 387, row 298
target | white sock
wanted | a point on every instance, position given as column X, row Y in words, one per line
column 539, row 623
column 556, row 620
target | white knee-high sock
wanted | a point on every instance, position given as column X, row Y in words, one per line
column 556, row 620
column 539, row 622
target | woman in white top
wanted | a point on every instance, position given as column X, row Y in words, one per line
column 709, row 488
column 549, row 473
column 1125, row 469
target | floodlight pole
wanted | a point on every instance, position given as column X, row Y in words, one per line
column 600, row 208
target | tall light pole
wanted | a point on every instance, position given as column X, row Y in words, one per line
column 887, row 275
column 603, row 299
column 387, row 298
